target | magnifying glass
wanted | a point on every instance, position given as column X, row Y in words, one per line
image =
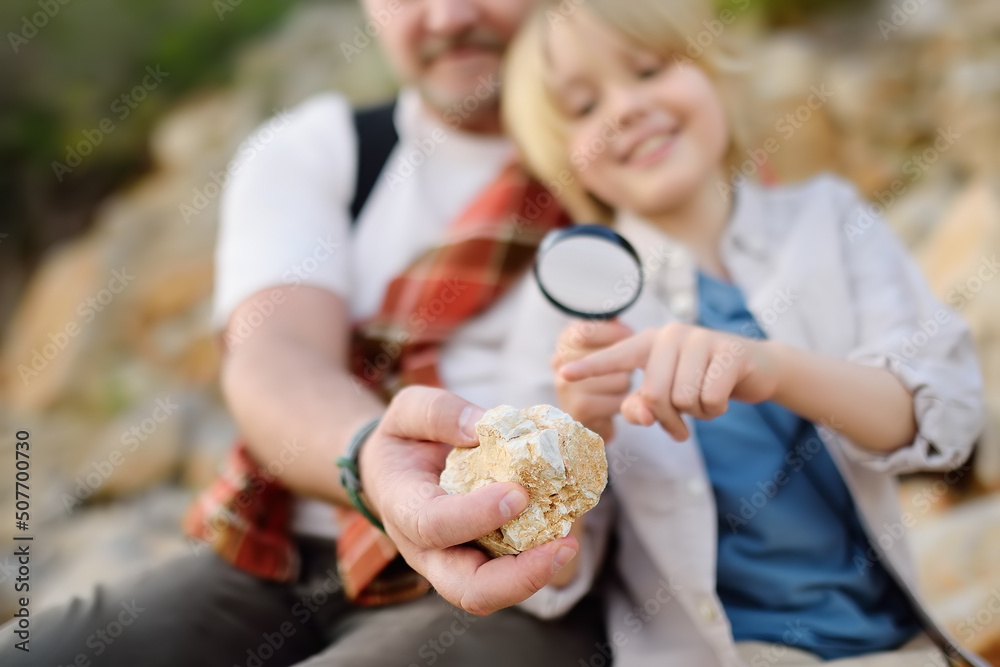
column 588, row 271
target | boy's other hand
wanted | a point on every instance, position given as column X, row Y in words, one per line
column 595, row 400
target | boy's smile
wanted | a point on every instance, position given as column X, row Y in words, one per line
column 648, row 147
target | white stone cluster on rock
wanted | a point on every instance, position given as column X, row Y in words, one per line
column 560, row 462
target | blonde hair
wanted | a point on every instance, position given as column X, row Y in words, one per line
column 533, row 118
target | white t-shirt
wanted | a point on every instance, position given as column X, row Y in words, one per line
column 284, row 219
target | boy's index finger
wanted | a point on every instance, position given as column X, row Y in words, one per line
column 623, row 356
column 590, row 334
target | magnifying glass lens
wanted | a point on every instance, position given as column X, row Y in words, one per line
column 588, row 271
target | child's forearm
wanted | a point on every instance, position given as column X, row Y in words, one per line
column 868, row 405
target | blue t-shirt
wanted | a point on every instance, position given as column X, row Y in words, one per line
column 788, row 530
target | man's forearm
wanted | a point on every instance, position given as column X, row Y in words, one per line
column 296, row 410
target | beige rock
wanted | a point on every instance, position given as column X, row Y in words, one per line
column 136, row 450
column 959, row 573
column 48, row 338
column 311, row 44
column 559, row 461
column 969, row 229
column 203, row 130
column 56, row 436
column 108, row 543
column 790, row 125
column 916, row 213
column 786, row 65
column 958, row 259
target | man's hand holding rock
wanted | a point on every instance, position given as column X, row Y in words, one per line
column 400, row 466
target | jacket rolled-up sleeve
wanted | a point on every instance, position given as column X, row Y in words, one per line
column 904, row 328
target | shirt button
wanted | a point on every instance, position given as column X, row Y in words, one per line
column 682, row 304
column 707, row 609
column 696, row 487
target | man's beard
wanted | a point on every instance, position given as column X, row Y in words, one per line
column 476, row 103
column 461, row 108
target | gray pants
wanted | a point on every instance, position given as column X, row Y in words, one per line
column 200, row 611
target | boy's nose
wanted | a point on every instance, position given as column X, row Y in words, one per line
column 627, row 104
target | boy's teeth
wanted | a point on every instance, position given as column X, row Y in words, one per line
column 648, row 146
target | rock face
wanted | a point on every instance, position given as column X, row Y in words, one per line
column 559, row 461
column 956, row 555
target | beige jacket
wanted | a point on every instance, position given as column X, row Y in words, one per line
column 819, row 273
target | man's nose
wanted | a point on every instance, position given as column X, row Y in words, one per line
column 447, row 17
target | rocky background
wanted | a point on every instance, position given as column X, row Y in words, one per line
column 121, row 400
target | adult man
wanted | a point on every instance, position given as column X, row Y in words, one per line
column 293, row 276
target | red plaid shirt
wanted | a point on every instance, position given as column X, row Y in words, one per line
column 245, row 515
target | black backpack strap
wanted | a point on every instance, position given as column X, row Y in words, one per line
column 377, row 136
